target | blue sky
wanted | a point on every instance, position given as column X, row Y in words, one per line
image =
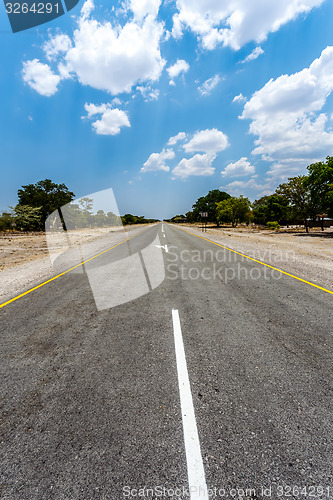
column 163, row 101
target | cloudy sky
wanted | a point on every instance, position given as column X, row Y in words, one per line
column 163, row 100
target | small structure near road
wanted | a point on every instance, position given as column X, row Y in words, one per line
column 321, row 221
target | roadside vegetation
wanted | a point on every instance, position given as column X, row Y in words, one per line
column 37, row 201
column 301, row 199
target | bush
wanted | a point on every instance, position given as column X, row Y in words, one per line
column 273, row 225
column 7, row 221
column 28, row 218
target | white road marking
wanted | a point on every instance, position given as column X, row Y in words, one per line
column 195, row 468
column 164, row 235
column 162, row 228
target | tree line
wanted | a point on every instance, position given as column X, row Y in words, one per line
column 299, row 199
column 37, row 201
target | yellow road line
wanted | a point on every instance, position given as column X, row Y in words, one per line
column 258, row 261
column 68, row 270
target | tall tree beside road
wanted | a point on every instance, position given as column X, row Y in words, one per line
column 208, row 204
column 234, row 210
column 190, row 217
column 320, row 183
column 46, row 195
column 297, row 192
column 271, row 208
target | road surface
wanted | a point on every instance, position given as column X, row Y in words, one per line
column 218, row 380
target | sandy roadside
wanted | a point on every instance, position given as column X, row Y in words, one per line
column 25, row 260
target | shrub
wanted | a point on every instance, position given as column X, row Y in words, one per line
column 273, row 225
column 7, row 221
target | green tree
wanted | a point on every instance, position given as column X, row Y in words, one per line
column 178, row 218
column 113, row 219
column 45, row 195
column 128, row 219
column 100, row 219
column 86, row 217
column 86, row 204
column 27, row 218
column 271, row 208
column 320, row 184
column 208, row 204
column 72, row 215
column 190, row 217
column 7, row 221
column 234, row 210
column 297, row 193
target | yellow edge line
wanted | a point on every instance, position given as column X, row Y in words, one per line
column 68, row 270
column 259, row 262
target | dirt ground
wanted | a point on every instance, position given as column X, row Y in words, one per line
column 25, row 259
column 16, row 248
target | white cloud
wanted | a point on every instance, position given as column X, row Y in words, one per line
column 64, row 72
column 240, row 168
column 254, row 55
column 176, row 69
column 197, row 165
column 116, row 58
column 209, row 85
column 40, row 77
column 59, row 44
column 87, row 9
column 111, row 120
column 116, row 101
column 282, row 170
column 234, row 23
column 207, row 141
column 154, row 95
column 237, row 188
column 285, row 116
column 107, row 57
column 156, row 161
column 94, row 109
column 143, row 8
column 148, row 93
column 177, row 138
column 239, row 98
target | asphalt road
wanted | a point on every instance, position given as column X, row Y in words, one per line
column 97, row 398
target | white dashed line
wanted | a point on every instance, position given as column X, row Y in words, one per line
column 195, row 469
